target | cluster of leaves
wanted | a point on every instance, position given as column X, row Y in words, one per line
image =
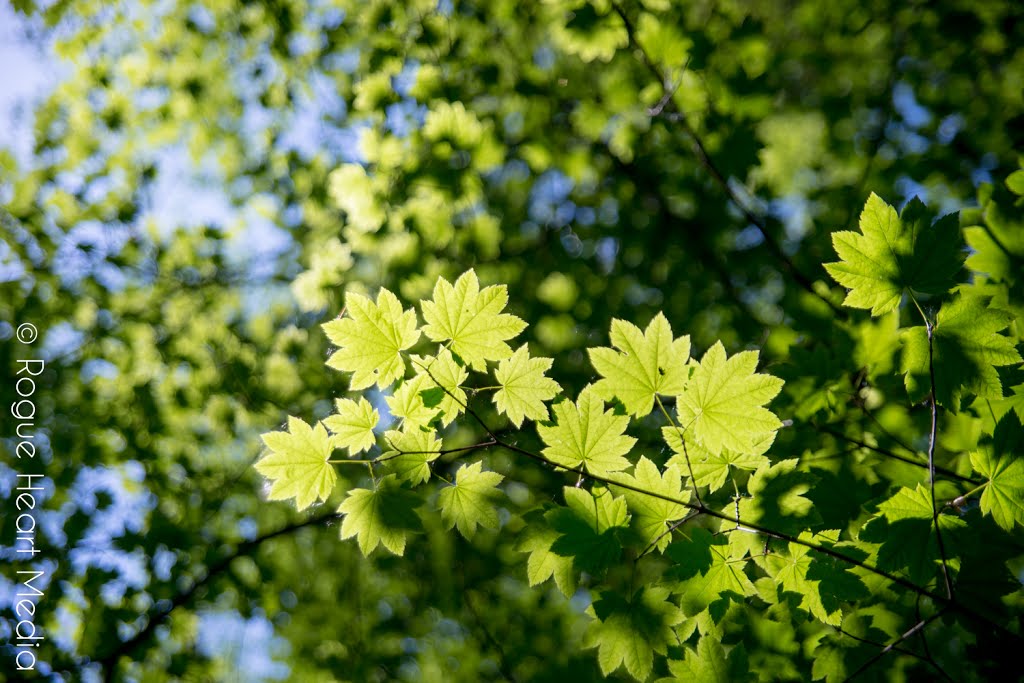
column 681, row 553
column 598, row 157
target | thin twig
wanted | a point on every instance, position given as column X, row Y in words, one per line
column 758, row 221
column 891, row 646
column 895, row 456
column 933, row 404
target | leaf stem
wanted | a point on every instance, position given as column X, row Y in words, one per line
column 686, row 454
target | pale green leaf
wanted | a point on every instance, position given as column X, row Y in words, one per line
column 410, row 452
column 297, row 463
column 434, row 391
column 385, row 515
column 892, row 254
column 705, row 664
column 652, row 516
column 537, row 538
column 722, row 405
column 713, row 470
column 1002, row 463
column 642, row 364
column 371, row 339
column 588, row 527
column 471, row 319
column 524, row 388
column 588, row 435
column 469, row 502
column 629, row 633
column 352, row 424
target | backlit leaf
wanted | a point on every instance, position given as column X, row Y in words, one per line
column 588, row 435
column 642, row 364
column 892, row 254
column 297, row 463
column 471, row 319
column 371, row 339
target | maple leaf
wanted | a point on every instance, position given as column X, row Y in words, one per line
column 966, row 349
column 407, row 404
column 537, row 538
column 524, row 388
column 297, row 463
column 588, row 527
column 651, row 516
column 434, row 391
column 708, row 663
column 713, row 470
column 586, row 434
column 1001, row 463
column 722, row 405
column 410, row 452
column 471, row 319
column 352, row 424
column 818, row 580
column 630, row 632
column 777, row 497
column 997, row 249
column 646, row 364
column 711, row 569
column 906, row 532
column 470, row 500
column 893, row 254
column 371, row 339
column 385, row 515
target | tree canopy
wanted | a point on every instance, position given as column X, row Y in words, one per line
column 526, row 341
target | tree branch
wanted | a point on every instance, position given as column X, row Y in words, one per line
column 109, row 661
column 667, row 108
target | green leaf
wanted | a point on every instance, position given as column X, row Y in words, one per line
column 385, row 515
column 588, row 528
column 966, row 350
column 524, row 388
column 407, row 404
column 906, row 532
column 352, row 424
column 470, row 501
column 997, row 247
column 646, row 364
column 297, row 463
column 471, row 319
column 713, row 470
column 707, row 664
column 1002, row 463
column 720, row 564
column 630, row 632
column 777, row 497
column 371, row 339
column 893, row 254
column 410, row 452
column 652, row 516
column 536, row 539
column 434, row 391
column 1015, row 182
column 722, row 405
column 820, row 583
column 586, row 434
column 908, row 504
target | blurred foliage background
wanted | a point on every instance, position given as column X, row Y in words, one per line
column 208, row 178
